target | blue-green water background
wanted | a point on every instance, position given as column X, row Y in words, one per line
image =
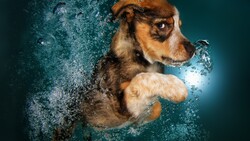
column 224, row 108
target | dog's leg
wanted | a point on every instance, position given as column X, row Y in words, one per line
column 155, row 111
column 144, row 88
column 63, row 133
column 87, row 136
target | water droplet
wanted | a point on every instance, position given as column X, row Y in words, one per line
column 202, row 51
column 41, row 41
column 79, row 15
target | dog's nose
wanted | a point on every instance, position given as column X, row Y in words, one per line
column 189, row 47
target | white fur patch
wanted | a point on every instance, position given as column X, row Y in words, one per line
column 144, row 88
column 176, row 33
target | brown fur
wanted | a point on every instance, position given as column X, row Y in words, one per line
column 130, row 70
column 156, row 111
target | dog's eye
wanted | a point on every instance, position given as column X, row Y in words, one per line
column 161, row 25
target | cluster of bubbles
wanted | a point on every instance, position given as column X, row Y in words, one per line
column 67, row 40
column 203, row 53
column 198, row 69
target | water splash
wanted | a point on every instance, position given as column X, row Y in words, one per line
column 67, row 40
column 195, row 72
column 203, row 52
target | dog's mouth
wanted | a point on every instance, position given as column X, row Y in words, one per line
column 171, row 62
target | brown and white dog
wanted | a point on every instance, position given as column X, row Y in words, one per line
column 128, row 81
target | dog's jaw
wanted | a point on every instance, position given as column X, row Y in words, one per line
column 148, row 58
column 171, row 62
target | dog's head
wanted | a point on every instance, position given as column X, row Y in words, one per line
column 155, row 24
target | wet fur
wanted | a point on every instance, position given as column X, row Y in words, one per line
column 127, row 81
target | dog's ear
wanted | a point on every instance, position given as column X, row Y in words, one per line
column 125, row 9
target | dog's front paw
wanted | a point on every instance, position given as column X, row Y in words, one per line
column 144, row 88
column 174, row 89
column 155, row 84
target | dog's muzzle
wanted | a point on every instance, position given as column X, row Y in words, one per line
column 189, row 47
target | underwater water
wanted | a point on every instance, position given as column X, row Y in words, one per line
column 66, row 40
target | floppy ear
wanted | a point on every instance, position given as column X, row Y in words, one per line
column 122, row 8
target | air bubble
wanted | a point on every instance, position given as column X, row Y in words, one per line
column 79, row 15
column 41, row 41
column 60, row 8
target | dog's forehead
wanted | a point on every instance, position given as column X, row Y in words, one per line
column 159, row 8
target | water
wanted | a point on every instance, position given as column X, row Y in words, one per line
column 196, row 76
column 67, row 38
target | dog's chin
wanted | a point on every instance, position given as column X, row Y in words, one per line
column 172, row 62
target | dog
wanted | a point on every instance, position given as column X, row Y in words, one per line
column 128, row 80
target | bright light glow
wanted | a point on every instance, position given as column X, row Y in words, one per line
column 193, row 78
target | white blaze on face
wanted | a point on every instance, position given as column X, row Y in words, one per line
column 176, row 36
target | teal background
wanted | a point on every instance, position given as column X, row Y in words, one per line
column 226, row 25
column 224, row 112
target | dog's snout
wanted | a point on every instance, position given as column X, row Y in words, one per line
column 189, row 47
